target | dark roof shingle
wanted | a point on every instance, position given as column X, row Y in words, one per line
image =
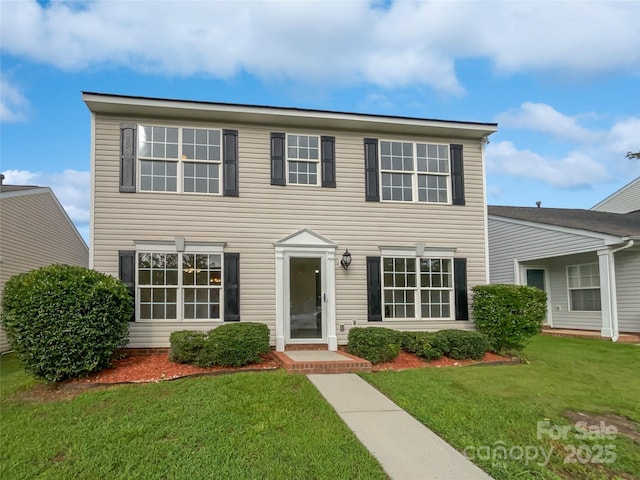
column 622, row 225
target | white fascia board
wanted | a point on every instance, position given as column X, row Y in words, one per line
column 139, row 106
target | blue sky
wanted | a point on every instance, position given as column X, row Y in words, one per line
column 562, row 79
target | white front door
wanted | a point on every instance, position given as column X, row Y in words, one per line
column 305, row 320
column 305, row 290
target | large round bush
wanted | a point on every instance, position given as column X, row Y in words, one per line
column 509, row 315
column 65, row 321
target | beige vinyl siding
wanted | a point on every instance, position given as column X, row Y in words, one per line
column 264, row 214
column 625, row 200
column 509, row 241
column 34, row 232
column 628, row 289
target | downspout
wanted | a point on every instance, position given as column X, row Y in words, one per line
column 614, row 304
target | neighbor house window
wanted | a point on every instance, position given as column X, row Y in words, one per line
column 179, row 286
column 417, row 287
column 303, row 159
column 174, row 159
column 411, row 171
column 584, row 287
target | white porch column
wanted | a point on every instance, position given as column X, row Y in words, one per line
column 608, row 294
column 279, row 301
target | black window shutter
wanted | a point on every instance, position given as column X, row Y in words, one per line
column 230, row 163
column 372, row 189
column 457, row 175
column 127, row 273
column 231, row 287
column 328, row 155
column 128, row 157
column 374, row 290
column 278, row 167
column 460, row 286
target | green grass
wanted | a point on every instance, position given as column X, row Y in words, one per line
column 488, row 407
column 240, row 426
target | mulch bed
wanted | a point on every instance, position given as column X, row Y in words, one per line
column 157, row 367
column 409, row 360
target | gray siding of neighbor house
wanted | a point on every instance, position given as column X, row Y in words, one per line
column 265, row 213
column 625, row 200
column 628, row 287
column 35, row 232
column 561, row 313
column 509, row 241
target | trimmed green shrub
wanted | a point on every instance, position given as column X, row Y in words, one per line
column 422, row 344
column 186, row 346
column 376, row 344
column 461, row 344
column 235, row 344
column 65, row 321
column 509, row 315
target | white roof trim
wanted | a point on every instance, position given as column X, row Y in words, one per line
column 605, row 237
column 142, row 106
column 305, row 238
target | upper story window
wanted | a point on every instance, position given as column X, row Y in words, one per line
column 303, row 159
column 584, row 287
column 174, row 159
column 411, row 171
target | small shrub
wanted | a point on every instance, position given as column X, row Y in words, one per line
column 376, row 344
column 65, row 321
column 235, row 344
column 186, row 346
column 509, row 315
column 461, row 344
column 422, row 344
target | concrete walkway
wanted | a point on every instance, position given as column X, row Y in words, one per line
column 406, row 449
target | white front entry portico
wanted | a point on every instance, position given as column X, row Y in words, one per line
column 305, row 290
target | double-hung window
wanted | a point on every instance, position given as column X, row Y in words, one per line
column 303, row 159
column 417, row 287
column 584, row 287
column 179, row 286
column 178, row 159
column 413, row 171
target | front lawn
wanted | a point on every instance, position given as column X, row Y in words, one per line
column 240, row 426
column 510, row 419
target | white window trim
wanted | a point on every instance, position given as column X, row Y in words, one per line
column 410, row 252
column 307, row 160
column 414, row 174
column 569, row 289
column 179, row 161
column 180, row 247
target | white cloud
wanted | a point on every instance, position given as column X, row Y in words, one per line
column 576, row 169
column 71, row 187
column 13, row 104
column 347, row 43
column 544, row 118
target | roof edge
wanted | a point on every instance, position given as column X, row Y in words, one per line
column 114, row 99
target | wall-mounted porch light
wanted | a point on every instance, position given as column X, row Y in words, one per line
column 346, row 260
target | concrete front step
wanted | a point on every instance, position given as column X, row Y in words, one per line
column 320, row 362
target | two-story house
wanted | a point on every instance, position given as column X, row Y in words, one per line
column 309, row 221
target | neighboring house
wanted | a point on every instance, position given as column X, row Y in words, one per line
column 217, row 212
column 587, row 261
column 625, row 200
column 35, row 231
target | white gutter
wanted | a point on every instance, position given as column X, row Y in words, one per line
column 614, row 304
